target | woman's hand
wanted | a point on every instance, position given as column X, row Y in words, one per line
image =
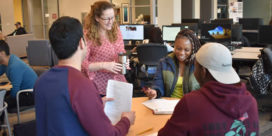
column 112, row 67
column 150, row 93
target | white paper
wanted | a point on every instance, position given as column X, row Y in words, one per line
column 122, row 94
column 161, row 106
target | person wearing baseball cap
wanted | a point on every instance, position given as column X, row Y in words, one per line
column 222, row 106
column 19, row 30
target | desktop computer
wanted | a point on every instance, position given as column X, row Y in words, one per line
column 169, row 33
column 132, row 32
column 191, row 26
column 264, row 37
column 229, row 35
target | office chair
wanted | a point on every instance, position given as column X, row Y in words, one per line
column 40, row 53
column 3, row 111
column 267, row 60
column 22, row 108
column 149, row 56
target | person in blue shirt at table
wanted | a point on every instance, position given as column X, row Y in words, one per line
column 19, row 74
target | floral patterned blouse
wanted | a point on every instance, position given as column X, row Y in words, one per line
column 107, row 52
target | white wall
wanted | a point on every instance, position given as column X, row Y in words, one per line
column 169, row 11
column 7, row 16
column 74, row 8
column 196, row 8
column 260, row 9
column 176, row 11
column 214, row 11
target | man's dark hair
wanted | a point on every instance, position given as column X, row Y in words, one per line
column 18, row 23
column 65, row 34
column 4, row 47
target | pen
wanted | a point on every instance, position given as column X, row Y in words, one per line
column 149, row 129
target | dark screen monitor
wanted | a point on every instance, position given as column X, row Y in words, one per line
column 191, row 26
column 222, row 21
column 132, row 32
column 147, row 30
column 216, row 32
column 236, row 32
column 265, row 33
column 251, row 23
column 190, row 20
column 169, row 33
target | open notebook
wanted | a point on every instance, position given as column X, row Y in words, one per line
column 161, row 106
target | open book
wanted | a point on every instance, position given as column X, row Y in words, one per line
column 161, row 106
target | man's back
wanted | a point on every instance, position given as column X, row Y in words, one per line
column 215, row 109
column 19, row 73
column 53, row 106
column 67, row 103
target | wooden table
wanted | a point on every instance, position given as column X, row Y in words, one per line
column 6, row 87
column 145, row 119
column 246, row 54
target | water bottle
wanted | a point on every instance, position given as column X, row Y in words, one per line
column 122, row 60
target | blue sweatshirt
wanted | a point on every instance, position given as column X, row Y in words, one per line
column 19, row 74
column 68, row 104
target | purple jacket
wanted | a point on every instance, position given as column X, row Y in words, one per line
column 215, row 109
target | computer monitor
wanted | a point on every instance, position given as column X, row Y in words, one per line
column 191, row 26
column 132, row 32
column 216, row 32
column 222, row 21
column 251, row 23
column 190, row 20
column 236, row 32
column 147, row 30
column 169, row 33
column 265, row 32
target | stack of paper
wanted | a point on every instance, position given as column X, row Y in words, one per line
column 121, row 92
column 161, row 106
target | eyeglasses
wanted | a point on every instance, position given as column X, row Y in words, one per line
column 107, row 19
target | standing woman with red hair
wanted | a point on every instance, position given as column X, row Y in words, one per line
column 104, row 41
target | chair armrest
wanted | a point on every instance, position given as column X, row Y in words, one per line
column 21, row 91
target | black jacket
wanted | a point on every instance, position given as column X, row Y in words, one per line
column 18, row 31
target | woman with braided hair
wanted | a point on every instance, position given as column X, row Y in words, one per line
column 175, row 72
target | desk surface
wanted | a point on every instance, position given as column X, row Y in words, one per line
column 6, row 87
column 145, row 119
column 246, row 53
column 248, row 49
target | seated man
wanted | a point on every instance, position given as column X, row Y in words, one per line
column 222, row 106
column 19, row 30
column 19, row 74
column 67, row 102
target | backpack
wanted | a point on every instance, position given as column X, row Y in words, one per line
column 262, row 73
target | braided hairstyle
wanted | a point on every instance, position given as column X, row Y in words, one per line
column 187, row 33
